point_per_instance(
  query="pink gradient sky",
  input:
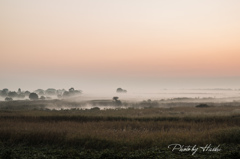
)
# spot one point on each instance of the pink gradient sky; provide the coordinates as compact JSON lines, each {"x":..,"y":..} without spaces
{"x":108,"y":41}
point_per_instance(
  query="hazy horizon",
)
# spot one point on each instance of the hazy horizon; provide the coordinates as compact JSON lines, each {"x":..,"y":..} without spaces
{"x":134,"y":85}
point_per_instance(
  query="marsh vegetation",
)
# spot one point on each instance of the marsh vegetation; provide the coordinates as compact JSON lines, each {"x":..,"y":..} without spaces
{"x":139,"y":130}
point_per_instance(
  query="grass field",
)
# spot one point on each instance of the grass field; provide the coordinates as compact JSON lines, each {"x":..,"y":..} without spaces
{"x":29,"y":129}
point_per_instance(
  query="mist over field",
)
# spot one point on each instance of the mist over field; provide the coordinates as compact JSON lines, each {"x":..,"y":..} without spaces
{"x":119,"y":79}
{"x":142,"y":87}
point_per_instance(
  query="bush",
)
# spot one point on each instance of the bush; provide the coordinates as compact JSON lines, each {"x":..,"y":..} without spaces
{"x":42,"y":98}
{"x":8,"y":99}
{"x":12,"y":94}
{"x":33,"y":96}
{"x":202,"y":105}
{"x":95,"y":108}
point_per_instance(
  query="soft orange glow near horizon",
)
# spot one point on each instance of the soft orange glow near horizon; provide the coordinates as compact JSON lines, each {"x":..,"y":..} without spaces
{"x":144,"y":38}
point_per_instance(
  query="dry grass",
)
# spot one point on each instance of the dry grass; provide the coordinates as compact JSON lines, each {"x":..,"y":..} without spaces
{"x":130,"y":132}
{"x":131,"y":112}
{"x":131,"y":128}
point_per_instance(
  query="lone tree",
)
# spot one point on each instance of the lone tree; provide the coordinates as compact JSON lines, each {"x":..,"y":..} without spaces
{"x":33,"y":96}
{"x":115,"y":98}
{"x":19,"y":90}
{"x":117,"y":102}
{"x":120,"y":90}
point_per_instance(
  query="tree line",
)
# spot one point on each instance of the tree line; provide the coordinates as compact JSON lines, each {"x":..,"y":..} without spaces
{"x":38,"y":94}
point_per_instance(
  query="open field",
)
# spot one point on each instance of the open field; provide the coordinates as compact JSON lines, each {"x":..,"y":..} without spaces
{"x":29,"y":129}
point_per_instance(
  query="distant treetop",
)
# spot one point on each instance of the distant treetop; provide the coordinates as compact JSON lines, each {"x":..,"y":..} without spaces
{"x":33,"y":96}
{"x":120,"y":90}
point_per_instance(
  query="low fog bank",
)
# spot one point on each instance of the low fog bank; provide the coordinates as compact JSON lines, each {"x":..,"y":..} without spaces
{"x":77,"y":95}
{"x":166,"y":94}
{"x":133,"y":88}
{"x":115,"y":103}
{"x":127,"y":99}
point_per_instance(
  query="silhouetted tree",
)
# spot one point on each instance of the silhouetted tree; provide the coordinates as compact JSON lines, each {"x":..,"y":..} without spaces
{"x":51,"y":91}
{"x":19,"y":91}
{"x":26,"y":93}
{"x":12,"y":94}
{"x":33,"y":96}
{"x":120,"y":90}
{"x":71,"y":89}
{"x":4,"y":92}
{"x":39,"y":92}
{"x":117,"y":102}
{"x":71,"y":93}
{"x":115,"y":98}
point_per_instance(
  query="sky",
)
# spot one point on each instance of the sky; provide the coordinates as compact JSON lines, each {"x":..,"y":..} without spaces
{"x":134,"y":44}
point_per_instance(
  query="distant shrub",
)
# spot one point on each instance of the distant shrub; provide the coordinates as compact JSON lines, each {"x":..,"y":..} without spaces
{"x":202,"y":105}
{"x":12,"y":94}
{"x":95,"y":108}
{"x":33,"y":96}
{"x":8,"y":99}
{"x":149,"y":103}
{"x":42,"y":98}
